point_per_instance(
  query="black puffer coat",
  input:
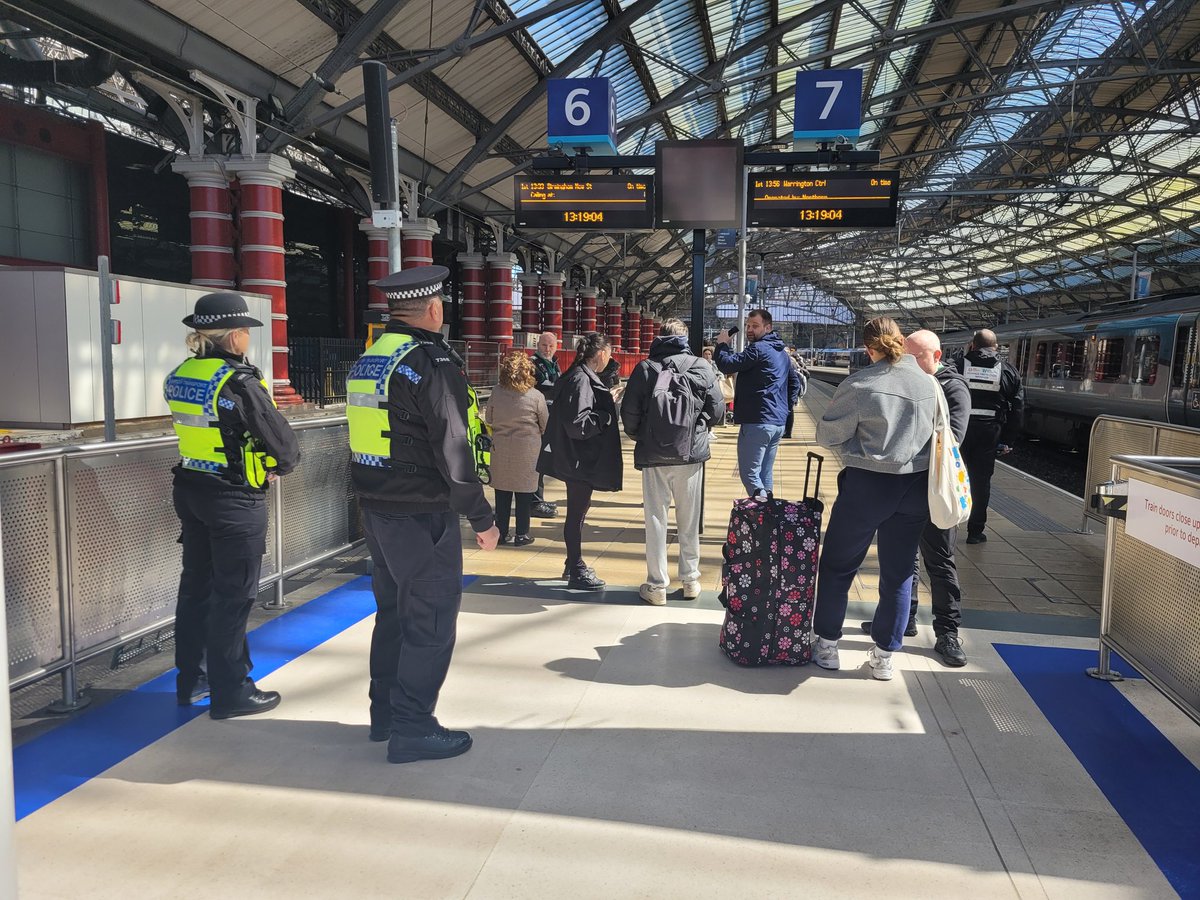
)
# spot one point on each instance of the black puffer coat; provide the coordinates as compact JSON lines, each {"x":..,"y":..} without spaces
{"x":582,"y":440}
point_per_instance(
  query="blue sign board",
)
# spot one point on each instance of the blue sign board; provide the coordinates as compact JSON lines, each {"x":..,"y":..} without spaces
{"x":828,"y":107}
{"x":582,"y":113}
{"x":727,"y":238}
{"x":1142,"y":283}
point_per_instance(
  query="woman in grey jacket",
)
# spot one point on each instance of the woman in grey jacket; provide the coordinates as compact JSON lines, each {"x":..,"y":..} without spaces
{"x":880,"y":421}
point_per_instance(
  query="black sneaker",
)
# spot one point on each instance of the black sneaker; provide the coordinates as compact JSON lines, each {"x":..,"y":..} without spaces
{"x":439,"y":744}
{"x":544,"y":510}
{"x":910,"y":630}
{"x":504,"y":539}
{"x":257,"y":702}
{"x":949,"y":648}
{"x":569,"y":573}
{"x":522,"y":540}
{"x":980,"y":538}
{"x":186,"y":695}
{"x":585,"y":581}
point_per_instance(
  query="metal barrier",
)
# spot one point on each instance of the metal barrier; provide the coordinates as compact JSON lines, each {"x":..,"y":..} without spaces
{"x":1150,"y":611}
{"x":90,"y":557}
{"x":318,"y":367}
{"x":1115,"y":436}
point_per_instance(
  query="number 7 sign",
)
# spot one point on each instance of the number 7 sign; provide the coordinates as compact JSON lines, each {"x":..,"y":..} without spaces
{"x":828,"y":107}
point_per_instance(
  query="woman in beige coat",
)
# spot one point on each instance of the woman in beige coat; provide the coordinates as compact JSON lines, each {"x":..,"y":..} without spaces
{"x":517,"y":414}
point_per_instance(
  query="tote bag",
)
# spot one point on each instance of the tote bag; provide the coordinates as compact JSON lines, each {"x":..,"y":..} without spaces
{"x":949,"y":487}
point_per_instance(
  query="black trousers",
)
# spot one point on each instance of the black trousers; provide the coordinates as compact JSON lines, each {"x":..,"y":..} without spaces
{"x":504,"y":501}
{"x":539,"y":496}
{"x":224,"y":536}
{"x":417,"y":580}
{"x":579,"y":501}
{"x":791,"y":421}
{"x":937,"y":549}
{"x":979,"y":456}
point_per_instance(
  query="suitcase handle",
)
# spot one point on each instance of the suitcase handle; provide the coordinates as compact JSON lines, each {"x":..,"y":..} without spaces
{"x":808,"y":470}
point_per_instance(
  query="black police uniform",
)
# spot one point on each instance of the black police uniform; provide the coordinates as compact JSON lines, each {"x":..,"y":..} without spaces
{"x":996,"y":417}
{"x":547,"y":373}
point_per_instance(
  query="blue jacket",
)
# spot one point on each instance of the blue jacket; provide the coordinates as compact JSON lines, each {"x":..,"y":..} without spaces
{"x":768,"y":386}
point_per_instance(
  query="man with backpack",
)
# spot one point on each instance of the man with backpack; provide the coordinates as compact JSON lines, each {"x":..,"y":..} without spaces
{"x":671,"y":401}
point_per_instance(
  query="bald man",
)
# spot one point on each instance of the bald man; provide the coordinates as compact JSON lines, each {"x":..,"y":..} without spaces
{"x":937,"y":544}
{"x":997,"y":408}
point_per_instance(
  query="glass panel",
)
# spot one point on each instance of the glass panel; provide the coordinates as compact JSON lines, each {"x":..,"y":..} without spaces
{"x":1145,"y":360}
{"x":1110,"y":359}
{"x":1039,"y":360}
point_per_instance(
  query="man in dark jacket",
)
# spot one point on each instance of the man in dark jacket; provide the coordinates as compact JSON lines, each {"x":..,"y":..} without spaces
{"x":666,"y":472}
{"x":997,"y":410}
{"x":547,"y":373}
{"x":767,"y":387}
{"x":937,"y":544}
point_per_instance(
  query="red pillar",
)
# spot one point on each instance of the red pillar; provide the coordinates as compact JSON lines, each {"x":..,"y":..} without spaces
{"x":212,"y":222}
{"x":474,"y":314}
{"x":633,"y":330}
{"x":416,"y":242}
{"x":500,"y":323}
{"x":615,"y":330}
{"x":649,"y":331}
{"x":378,"y":264}
{"x":570,"y":313}
{"x":531,"y":305}
{"x":260,"y":226}
{"x":552,"y":304}
{"x":587,"y":310}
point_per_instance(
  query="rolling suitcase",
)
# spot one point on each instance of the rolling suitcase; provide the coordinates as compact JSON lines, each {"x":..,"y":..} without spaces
{"x":769,"y":577}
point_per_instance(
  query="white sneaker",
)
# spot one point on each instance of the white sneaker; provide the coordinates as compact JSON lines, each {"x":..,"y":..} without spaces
{"x":652,"y":595}
{"x":825,"y":654}
{"x":881,"y":666}
{"x":691,"y":590}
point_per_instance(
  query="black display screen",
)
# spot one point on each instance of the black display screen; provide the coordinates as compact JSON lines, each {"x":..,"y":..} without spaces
{"x":823,"y":199}
{"x":592,"y":203}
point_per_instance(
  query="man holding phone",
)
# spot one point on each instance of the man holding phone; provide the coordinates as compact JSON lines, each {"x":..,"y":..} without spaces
{"x":767,"y":388}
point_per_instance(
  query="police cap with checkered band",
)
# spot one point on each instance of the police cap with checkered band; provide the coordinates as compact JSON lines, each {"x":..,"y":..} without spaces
{"x":415,"y":283}
{"x":221,"y":310}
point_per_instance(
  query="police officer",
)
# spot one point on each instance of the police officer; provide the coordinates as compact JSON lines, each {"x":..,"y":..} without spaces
{"x":232,"y":442}
{"x":417,"y":453}
{"x":997,"y":410}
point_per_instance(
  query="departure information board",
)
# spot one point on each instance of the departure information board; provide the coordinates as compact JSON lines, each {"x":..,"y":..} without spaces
{"x":579,"y":203}
{"x":823,"y":199}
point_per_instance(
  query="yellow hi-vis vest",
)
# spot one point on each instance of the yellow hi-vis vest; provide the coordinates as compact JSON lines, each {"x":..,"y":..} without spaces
{"x":191,"y":392}
{"x":367,"y":410}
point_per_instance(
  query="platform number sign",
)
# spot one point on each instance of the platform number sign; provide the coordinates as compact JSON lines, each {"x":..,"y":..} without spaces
{"x":582,"y":113}
{"x":828,"y":107}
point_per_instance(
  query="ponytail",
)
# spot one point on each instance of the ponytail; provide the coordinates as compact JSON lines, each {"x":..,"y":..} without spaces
{"x":587,"y":346}
{"x":202,"y":343}
{"x":883,"y":335}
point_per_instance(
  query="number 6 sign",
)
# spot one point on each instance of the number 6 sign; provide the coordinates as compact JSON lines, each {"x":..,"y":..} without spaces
{"x":581,"y":113}
{"x":828,"y":107}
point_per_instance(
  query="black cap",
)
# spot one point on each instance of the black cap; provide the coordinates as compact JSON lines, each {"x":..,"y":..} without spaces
{"x":412,"y":284}
{"x":224,"y":309}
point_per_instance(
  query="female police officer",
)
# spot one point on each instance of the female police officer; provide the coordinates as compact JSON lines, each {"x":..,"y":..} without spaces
{"x":232,"y":443}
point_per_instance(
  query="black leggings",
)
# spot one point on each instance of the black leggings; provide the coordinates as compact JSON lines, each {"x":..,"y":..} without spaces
{"x":504,"y":510}
{"x":579,"y":501}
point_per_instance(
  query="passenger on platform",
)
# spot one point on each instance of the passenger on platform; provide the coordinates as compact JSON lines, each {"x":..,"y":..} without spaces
{"x":937,"y":544}
{"x":802,"y":374}
{"x":611,"y":375}
{"x":997,"y":410}
{"x":416,"y":448}
{"x":233,"y":443}
{"x":547,"y":372}
{"x":880,"y":422}
{"x":517,"y":415}
{"x":671,"y":447}
{"x":767,"y":387}
{"x":582,"y":447}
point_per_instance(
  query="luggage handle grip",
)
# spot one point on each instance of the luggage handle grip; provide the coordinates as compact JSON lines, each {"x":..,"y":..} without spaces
{"x":808,"y":471}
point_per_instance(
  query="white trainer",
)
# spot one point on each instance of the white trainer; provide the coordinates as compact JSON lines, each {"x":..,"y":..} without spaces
{"x":881,"y":666}
{"x":691,"y":590}
{"x":825,"y":654}
{"x":652,"y":595}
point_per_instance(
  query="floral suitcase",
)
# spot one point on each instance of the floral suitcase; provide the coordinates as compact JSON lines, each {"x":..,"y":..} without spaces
{"x":770,"y":575}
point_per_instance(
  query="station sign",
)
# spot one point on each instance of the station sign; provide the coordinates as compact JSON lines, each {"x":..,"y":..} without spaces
{"x":581,"y":113}
{"x":727,"y":238}
{"x":828,"y":107}
{"x":823,"y":199}
{"x":584,"y":203}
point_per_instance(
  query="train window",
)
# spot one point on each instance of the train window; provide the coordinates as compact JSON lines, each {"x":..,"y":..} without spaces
{"x":1145,"y":360}
{"x":1039,"y":360}
{"x":1022,"y":359}
{"x":1068,"y":359}
{"x":1110,"y":355}
{"x":1185,"y":360}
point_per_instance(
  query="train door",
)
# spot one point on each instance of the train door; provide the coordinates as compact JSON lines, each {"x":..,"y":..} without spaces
{"x":1183,"y":395}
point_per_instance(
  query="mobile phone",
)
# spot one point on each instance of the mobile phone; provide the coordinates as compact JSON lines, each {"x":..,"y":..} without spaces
{"x":733,"y":329}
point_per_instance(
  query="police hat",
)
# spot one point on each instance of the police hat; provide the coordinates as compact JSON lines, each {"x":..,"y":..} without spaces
{"x":224,"y":309}
{"x":412,"y":284}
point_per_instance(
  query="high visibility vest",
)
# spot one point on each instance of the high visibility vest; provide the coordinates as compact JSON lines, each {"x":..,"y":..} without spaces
{"x":191,"y":391}
{"x":367,"y":410}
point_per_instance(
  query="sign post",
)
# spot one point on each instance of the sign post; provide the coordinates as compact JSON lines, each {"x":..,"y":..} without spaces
{"x":828,"y":107}
{"x":581,"y":114}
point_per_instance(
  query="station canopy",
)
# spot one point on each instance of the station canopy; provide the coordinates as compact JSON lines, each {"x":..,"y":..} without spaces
{"x":1039,"y":141}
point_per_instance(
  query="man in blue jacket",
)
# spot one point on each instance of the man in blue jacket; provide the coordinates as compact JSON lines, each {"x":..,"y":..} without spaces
{"x":767,"y":387}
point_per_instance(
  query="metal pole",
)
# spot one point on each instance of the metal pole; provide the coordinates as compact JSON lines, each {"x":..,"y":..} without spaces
{"x":106,"y":342}
{"x":71,"y":699}
{"x":739,"y":339}
{"x":1104,"y":671}
{"x":696,"y":332}
{"x":395,"y":262}
{"x":1133,"y":274}
{"x":277,"y":601}
{"x":8,"y":854}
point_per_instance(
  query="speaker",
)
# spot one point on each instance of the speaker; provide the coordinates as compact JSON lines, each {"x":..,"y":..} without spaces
{"x":379,"y":134}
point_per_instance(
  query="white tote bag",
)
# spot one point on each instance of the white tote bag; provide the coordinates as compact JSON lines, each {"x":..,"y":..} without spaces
{"x":949,"y":487}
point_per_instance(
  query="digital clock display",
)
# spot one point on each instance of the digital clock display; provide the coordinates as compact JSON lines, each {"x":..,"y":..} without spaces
{"x":823,"y":199}
{"x":579,"y":203}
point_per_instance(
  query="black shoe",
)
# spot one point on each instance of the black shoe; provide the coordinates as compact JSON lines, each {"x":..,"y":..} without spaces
{"x":186,"y":695}
{"x":522,"y":540}
{"x":980,"y":538}
{"x":910,"y":630}
{"x":381,"y":727}
{"x":503,"y":539}
{"x":257,"y":702}
{"x":585,"y":581}
{"x":949,"y":648}
{"x":569,"y":573}
{"x":439,"y":744}
{"x":544,"y":510}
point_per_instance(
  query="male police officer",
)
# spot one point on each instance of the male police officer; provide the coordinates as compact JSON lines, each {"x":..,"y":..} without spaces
{"x":997,"y":408}
{"x":417,"y":452}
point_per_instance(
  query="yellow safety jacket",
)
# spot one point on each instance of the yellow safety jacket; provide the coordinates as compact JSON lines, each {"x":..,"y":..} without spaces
{"x":367,"y":410}
{"x":192,"y":391}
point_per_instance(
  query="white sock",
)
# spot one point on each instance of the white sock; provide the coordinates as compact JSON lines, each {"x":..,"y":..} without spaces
{"x":882,"y":654}
{"x":825,"y":643}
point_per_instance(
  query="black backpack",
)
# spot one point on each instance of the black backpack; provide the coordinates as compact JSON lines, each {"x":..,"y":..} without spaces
{"x":673,"y":413}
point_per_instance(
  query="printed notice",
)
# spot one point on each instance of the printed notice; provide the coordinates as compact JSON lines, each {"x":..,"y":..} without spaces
{"x":1164,"y":519}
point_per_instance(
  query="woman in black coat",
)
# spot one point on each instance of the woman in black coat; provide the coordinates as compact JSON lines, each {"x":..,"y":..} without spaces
{"x":582,"y":447}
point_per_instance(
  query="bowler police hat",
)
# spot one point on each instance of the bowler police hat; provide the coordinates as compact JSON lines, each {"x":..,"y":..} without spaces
{"x":224,"y":309}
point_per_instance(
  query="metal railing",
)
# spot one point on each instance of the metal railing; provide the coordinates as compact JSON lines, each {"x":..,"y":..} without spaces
{"x":1117,"y":436}
{"x":317,"y":367}
{"x":90,"y":553}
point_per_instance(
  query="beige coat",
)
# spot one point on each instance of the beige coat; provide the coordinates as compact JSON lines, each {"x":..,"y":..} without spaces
{"x":517,"y":421}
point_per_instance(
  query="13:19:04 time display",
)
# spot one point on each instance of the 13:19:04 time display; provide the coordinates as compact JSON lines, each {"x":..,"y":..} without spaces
{"x":820,"y":215}
{"x":571,"y":216}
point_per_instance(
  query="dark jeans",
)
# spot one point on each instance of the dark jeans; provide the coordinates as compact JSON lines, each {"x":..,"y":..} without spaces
{"x":894,"y":507}
{"x":417,"y":580}
{"x":504,"y":501}
{"x":937,"y":549}
{"x":224,"y":536}
{"x":979,"y":456}
{"x":579,"y":501}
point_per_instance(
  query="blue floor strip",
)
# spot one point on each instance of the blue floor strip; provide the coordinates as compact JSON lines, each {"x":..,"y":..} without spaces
{"x":59,"y":761}
{"x":1150,"y":784}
